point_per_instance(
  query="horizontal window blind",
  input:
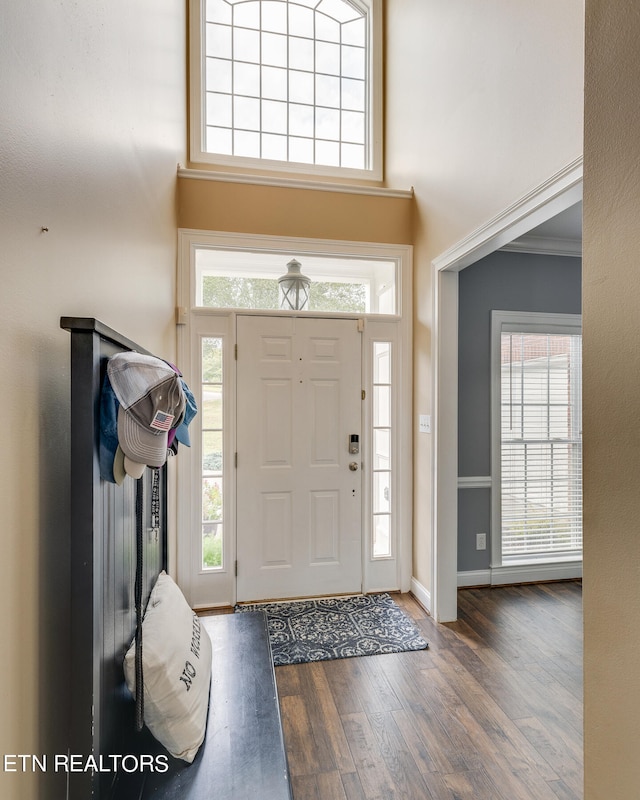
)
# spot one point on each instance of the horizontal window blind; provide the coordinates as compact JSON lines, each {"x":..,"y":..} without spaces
{"x":541,"y":445}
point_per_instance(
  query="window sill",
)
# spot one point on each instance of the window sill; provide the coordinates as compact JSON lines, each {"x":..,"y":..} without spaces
{"x":534,"y":561}
{"x":292,"y":183}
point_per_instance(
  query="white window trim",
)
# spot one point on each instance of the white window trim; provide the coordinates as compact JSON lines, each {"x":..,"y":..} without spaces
{"x":197,"y":154}
{"x":379,"y":574}
{"x":190,"y":240}
{"x":522,"y":322}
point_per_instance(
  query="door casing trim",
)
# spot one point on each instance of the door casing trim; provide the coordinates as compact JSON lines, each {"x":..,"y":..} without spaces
{"x":189,"y":317}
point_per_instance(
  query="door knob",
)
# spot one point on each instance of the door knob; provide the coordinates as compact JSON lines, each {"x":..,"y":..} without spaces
{"x":353,"y":466}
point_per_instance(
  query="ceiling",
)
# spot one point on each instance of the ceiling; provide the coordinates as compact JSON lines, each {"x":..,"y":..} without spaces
{"x":561,"y":235}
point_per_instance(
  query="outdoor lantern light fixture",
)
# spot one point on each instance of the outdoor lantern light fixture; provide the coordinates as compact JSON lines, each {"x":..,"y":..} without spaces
{"x":294,"y":288}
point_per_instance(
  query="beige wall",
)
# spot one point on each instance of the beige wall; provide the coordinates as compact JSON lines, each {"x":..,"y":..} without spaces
{"x":611,"y":319}
{"x":91,"y":130}
{"x":483,"y":104}
{"x":284,"y":211}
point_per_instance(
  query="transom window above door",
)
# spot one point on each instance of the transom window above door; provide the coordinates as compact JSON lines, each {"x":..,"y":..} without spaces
{"x":253,"y":280}
{"x":287,"y":84}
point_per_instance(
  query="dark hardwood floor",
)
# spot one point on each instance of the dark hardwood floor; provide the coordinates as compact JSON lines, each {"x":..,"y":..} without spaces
{"x":491,"y":711}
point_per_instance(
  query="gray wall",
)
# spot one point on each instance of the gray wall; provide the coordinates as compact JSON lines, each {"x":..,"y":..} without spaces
{"x":507,"y":282}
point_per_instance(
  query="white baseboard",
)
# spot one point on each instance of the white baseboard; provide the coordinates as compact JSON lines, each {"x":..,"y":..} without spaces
{"x":532,"y":573}
{"x":422,"y":595}
{"x":521,"y":573}
{"x":475,"y":577}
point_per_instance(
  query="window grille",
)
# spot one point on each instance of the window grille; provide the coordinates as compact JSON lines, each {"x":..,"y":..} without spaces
{"x":382,"y":450}
{"x":287,"y":81}
{"x":212,"y":474}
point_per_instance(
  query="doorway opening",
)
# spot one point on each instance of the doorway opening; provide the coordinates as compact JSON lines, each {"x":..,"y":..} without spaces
{"x":298,"y":481}
{"x":559,"y":193}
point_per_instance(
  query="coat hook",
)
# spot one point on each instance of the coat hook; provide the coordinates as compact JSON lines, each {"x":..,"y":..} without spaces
{"x":44,"y":230}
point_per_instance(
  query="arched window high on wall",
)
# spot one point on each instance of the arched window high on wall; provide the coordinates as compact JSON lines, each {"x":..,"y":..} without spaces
{"x":287,"y":85}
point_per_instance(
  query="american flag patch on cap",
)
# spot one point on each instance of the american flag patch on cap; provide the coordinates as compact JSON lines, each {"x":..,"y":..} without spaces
{"x":162,"y":421}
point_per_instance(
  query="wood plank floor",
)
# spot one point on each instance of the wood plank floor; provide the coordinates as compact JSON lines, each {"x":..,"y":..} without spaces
{"x":491,"y":711}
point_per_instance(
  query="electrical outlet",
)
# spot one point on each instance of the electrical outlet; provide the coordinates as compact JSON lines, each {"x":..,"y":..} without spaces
{"x":481,"y":541}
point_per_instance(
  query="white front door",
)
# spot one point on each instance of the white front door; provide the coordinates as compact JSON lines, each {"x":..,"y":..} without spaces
{"x":299,"y":504}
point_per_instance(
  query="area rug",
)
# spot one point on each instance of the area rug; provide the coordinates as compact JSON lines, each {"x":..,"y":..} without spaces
{"x":337,"y":627}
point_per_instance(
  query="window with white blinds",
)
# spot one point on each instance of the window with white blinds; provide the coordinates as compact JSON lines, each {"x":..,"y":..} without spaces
{"x":541,"y":444}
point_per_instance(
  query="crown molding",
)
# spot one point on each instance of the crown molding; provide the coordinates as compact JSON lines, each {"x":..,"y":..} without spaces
{"x":556,"y":194}
{"x":545,"y":245}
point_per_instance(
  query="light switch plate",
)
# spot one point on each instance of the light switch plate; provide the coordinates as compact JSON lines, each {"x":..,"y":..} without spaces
{"x":424,"y":421}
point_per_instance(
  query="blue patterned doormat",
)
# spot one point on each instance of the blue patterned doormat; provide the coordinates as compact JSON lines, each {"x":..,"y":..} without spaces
{"x":337,"y":627}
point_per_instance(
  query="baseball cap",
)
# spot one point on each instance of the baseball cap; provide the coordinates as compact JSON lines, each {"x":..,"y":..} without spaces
{"x":181,"y":433}
{"x":152,"y":402}
{"x":190,"y":410}
{"x":123,"y":466}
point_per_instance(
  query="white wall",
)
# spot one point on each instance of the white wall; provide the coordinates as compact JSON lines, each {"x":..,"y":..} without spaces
{"x":92,"y":126}
{"x":483,"y":104}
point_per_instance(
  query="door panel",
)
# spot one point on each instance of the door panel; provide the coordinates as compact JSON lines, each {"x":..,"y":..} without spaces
{"x":298,"y":501}
{"x":277,"y":536}
{"x":274,"y":406}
